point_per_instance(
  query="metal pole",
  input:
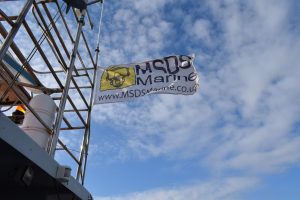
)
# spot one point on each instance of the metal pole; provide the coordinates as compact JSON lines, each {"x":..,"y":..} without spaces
{"x":62,"y":104}
{"x":86,"y":140}
{"x":9,"y":39}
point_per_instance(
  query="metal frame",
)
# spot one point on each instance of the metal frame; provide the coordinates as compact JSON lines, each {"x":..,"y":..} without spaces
{"x":72,"y":73}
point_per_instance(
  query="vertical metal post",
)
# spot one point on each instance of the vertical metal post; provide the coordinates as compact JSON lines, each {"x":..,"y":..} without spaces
{"x":86,"y":139}
{"x":11,"y":35}
{"x":64,"y":97}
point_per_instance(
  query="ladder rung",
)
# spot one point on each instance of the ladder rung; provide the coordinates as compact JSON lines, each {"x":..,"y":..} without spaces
{"x":72,"y":128}
{"x":80,"y":110}
{"x":79,"y":75}
{"x":81,"y":87}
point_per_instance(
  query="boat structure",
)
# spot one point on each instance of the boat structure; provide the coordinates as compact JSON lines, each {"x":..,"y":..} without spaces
{"x":47,"y":75}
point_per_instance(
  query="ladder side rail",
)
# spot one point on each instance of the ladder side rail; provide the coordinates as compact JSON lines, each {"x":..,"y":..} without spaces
{"x":88,"y":130}
{"x":50,"y":37}
{"x":65,"y":49}
{"x":67,"y":85}
{"x":71,"y":37}
{"x":18,"y":53}
{"x":12,"y":33}
{"x":6,"y":18}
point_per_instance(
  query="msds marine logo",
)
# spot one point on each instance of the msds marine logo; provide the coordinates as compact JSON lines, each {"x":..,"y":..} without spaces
{"x":117,"y":78}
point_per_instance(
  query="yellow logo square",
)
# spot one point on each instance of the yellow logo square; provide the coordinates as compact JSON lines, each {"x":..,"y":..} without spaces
{"x":117,"y":78}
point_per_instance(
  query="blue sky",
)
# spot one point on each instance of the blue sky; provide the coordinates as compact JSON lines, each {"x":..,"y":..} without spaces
{"x":237,"y":138}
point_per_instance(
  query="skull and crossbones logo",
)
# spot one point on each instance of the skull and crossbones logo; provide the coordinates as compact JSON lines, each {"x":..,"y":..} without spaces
{"x":116,"y":76}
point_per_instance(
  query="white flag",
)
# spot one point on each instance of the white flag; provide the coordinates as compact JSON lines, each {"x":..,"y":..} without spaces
{"x":169,"y":75}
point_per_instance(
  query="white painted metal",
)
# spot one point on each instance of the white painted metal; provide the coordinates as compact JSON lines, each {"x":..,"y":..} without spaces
{"x":45,"y":108}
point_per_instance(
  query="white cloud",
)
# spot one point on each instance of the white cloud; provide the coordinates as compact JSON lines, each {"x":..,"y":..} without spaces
{"x":136,"y":31}
{"x":150,"y":7}
{"x":227,"y":189}
{"x":247,"y":106}
{"x":200,"y":30}
{"x":260,"y":77}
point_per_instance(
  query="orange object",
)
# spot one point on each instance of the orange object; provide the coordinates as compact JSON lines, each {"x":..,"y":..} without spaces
{"x":21,"y":109}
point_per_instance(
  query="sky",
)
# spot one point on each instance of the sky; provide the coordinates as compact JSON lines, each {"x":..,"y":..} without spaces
{"x":236,"y":138}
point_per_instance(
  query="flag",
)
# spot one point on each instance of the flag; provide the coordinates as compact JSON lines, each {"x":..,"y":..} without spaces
{"x":168,"y":75}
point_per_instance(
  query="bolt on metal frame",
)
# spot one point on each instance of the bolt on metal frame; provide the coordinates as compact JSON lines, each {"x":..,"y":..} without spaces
{"x":74,"y":111}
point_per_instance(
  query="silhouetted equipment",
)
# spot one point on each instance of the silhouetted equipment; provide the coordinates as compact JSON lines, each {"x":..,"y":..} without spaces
{"x":79,"y":4}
